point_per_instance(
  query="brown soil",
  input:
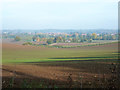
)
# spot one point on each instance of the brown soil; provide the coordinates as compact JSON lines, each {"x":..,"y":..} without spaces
{"x":49,"y":74}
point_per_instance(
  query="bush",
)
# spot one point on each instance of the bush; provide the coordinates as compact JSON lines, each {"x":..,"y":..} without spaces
{"x":27,"y":43}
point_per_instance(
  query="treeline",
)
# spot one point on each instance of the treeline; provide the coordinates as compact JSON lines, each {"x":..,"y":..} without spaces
{"x":74,"y":37}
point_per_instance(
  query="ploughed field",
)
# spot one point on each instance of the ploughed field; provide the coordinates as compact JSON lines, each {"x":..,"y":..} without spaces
{"x":42,"y":67}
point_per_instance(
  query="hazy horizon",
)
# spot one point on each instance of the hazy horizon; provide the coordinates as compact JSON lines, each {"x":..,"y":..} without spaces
{"x":38,"y":14}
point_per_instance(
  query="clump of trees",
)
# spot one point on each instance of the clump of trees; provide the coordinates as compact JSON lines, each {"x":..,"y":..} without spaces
{"x":94,"y":36}
{"x":90,"y":40}
{"x":34,"y":38}
{"x":49,"y":41}
{"x":27,"y":43}
{"x":17,"y":38}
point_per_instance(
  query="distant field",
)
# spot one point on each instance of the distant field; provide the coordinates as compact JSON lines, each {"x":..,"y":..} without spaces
{"x":94,"y":42}
{"x":104,"y":41}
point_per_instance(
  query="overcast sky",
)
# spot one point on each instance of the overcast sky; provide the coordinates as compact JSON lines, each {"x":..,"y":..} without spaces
{"x":60,"y":14}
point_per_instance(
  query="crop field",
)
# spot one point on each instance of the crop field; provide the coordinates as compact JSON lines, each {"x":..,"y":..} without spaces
{"x":43,"y":67}
{"x":85,"y":43}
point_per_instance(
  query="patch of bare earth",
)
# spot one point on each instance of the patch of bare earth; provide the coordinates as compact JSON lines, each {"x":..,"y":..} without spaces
{"x":60,"y":75}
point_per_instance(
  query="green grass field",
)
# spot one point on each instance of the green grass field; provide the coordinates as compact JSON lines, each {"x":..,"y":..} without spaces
{"x":20,"y":54}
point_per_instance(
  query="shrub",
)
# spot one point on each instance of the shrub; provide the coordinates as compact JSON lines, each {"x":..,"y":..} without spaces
{"x":27,"y":43}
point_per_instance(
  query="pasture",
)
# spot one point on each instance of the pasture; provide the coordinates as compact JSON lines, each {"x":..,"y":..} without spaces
{"x":57,"y":67}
